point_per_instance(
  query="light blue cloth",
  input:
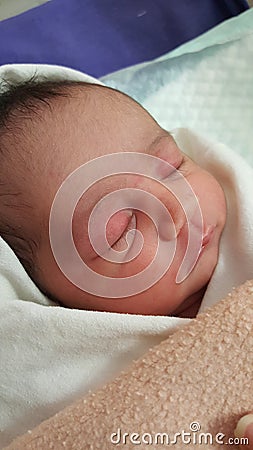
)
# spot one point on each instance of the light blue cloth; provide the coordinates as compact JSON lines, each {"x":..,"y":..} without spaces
{"x":206,"y":85}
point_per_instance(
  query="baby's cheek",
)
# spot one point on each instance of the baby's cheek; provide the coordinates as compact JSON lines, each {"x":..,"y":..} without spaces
{"x":151,"y":250}
{"x":205,"y":186}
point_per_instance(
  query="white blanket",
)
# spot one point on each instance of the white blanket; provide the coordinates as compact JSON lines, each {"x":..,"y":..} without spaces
{"x":51,"y":355}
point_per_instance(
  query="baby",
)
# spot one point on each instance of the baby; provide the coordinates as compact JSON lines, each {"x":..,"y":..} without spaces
{"x":50,"y":129}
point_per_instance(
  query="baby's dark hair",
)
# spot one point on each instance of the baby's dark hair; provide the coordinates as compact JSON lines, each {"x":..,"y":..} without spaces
{"x":20,"y":102}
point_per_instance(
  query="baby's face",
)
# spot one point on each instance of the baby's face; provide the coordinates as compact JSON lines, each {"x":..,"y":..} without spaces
{"x":82,"y":128}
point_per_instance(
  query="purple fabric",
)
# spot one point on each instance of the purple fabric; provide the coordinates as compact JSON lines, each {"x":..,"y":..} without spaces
{"x":101,"y":36}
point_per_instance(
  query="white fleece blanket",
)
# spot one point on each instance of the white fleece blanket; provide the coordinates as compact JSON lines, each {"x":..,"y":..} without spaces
{"x":51,"y":355}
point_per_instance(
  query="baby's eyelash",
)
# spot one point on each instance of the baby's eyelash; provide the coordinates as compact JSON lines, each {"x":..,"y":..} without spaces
{"x":182,"y":167}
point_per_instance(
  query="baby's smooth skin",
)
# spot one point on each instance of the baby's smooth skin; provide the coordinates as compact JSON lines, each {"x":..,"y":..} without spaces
{"x":89,"y":122}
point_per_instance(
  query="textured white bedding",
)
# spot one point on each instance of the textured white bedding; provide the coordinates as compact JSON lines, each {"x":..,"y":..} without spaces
{"x":205,"y":84}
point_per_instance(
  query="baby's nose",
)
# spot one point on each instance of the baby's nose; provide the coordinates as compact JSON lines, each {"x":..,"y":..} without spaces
{"x":170,"y":218}
{"x":169,"y":230}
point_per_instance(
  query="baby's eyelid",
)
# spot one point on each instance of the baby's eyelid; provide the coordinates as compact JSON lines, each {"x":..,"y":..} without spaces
{"x":166,"y":149}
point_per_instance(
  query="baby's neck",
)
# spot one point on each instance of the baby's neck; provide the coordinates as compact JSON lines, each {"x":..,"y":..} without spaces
{"x":190,"y":307}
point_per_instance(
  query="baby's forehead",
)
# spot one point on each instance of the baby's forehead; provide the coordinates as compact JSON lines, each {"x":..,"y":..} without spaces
{"x":69,"y":130}
{"x":99,"y":119}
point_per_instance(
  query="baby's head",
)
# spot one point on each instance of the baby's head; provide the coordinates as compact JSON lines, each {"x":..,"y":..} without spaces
{"x":50,"y":129}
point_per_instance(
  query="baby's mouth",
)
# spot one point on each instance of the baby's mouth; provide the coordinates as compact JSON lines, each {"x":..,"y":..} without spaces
{"x":208,"y":235}
{"x":201,"y":239}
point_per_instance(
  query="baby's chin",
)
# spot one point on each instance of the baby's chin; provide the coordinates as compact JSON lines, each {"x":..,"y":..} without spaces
{"x":189,"y":308}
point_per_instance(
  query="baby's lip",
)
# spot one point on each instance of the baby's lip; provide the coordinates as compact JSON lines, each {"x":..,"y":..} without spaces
{"x":208,"y":234}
